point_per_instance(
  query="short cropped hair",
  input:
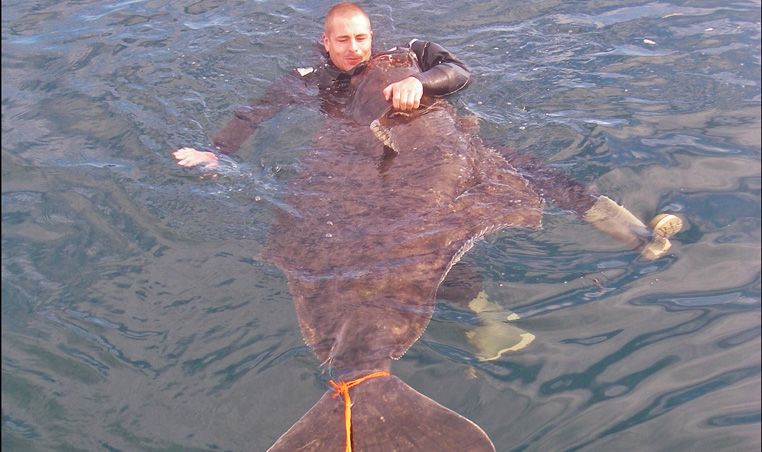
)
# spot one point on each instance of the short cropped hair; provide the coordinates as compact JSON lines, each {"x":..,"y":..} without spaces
{"x":342,"y":9}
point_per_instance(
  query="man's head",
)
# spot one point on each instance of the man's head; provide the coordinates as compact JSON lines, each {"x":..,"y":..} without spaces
{"x":347,"y":36}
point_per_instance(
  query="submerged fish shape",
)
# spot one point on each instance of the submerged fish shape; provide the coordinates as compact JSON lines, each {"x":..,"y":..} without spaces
{"x":386,"y":203}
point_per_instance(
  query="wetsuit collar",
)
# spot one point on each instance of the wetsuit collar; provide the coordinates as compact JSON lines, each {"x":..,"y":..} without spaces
{"x":332,"y":77}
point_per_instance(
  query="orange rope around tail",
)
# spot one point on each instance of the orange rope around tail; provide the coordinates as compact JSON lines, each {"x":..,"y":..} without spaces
{"x":342,"y":389}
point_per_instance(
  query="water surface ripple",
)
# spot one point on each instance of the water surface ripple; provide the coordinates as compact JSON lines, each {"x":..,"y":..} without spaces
{"x":137,"y":313}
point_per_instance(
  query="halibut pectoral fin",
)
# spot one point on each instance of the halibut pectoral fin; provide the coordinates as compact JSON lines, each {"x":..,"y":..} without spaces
{"x":495,"y":337}
{"x":383,"y":134}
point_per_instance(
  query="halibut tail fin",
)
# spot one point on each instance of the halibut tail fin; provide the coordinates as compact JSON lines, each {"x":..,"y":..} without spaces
{"x":386,"y":415}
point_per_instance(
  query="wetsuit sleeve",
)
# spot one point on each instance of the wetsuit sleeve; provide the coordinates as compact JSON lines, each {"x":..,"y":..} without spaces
{"x":443,"y":73}
{"x":290,"y":89}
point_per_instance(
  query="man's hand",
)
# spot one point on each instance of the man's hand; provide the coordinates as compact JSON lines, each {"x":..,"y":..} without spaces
{"x":405,"y":94}
{"x":191,"y":157}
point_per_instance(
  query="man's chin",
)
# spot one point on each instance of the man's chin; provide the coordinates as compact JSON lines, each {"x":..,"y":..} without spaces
{"x":350,"y":64}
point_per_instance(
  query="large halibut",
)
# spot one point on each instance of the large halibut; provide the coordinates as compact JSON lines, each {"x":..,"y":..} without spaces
{"x":385,"y":203}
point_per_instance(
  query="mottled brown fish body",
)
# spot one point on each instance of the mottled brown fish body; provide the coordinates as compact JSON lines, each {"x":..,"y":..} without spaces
{"x":373,"y":229}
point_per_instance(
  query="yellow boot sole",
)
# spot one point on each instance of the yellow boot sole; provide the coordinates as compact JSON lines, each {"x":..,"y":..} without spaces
{"x":663,"y":226}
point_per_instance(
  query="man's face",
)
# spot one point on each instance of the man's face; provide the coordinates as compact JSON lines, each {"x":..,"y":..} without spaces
{"x":348,"y":40}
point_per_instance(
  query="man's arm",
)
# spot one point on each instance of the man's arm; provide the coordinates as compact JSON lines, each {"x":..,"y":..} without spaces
{"x":442,"y":74}
{"x":601,"y":212}
{"x":290,"y":89}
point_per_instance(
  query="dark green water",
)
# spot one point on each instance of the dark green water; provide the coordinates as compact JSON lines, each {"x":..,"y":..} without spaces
{"x":137,"y":315}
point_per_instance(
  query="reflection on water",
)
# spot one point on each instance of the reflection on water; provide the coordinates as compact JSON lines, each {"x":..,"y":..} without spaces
{"x":137,"y":313}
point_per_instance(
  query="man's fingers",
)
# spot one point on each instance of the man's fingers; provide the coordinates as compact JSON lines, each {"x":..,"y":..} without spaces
{"x":405,"y":94}
{"x":409,"y":101}
{"x":184,"y":153}
{"x":186,"y":162}
{"x":388,"y":92}
{"x":397,"y":97}
{"x":190,"y":157}
{"x":405,"y":102}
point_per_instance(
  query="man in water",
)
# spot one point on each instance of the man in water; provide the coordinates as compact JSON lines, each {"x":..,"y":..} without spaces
{"x":347,"y":40}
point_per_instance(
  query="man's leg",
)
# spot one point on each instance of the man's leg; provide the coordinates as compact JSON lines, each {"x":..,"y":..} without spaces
{"x":601,"y":212}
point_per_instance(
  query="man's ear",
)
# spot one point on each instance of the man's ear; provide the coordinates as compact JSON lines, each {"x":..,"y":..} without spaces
{"x":325,"y":42}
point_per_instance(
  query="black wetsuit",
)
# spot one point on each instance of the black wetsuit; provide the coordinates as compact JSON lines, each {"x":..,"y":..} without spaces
{"x":441,"y":74}
{"x":326,"y":87}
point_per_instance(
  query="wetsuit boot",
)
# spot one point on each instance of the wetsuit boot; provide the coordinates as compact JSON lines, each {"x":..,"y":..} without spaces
{"x":652,"y":241}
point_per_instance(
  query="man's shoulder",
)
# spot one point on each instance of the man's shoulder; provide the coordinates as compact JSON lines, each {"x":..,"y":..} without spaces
{"x":416,"y":45}
{"x":308,"y":75}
